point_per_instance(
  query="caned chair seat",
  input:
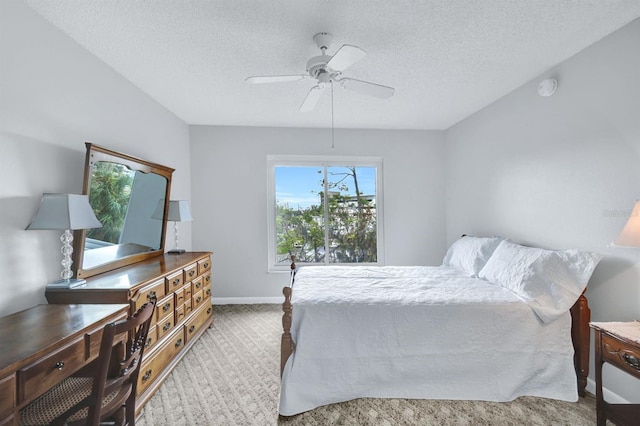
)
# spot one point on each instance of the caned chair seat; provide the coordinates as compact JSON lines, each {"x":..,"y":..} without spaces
{"x":105,"y":389}
{"x":59,"y":399}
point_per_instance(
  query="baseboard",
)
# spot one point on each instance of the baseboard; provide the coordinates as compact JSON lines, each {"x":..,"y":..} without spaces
{"x":609,"y":396}
{"x":247,"y":300}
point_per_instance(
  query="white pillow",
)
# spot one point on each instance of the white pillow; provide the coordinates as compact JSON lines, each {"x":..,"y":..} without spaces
{"x":549,"y":281}
{"x":470,"y":254}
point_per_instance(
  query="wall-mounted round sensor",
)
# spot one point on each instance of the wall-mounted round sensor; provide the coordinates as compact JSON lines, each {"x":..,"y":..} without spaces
{"x":547,"y":87}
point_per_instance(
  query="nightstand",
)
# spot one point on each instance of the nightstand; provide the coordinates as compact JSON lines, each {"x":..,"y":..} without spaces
{"x":617,"y":343}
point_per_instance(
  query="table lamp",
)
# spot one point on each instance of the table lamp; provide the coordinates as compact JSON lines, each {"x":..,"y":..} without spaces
{"x":178,"y":212}
{"x":630,"y":235}
{"x":65,"y":212}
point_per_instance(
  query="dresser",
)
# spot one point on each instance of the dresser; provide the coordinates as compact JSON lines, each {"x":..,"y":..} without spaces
{"x":43,"y":345}
{"x":618,"y":344}
{"x":180,"y":284}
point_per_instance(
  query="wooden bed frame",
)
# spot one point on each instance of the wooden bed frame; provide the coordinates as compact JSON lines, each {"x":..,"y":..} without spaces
{"x":580,"y":334}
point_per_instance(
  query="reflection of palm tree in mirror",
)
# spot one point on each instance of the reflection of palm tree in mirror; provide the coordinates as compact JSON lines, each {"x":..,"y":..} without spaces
{"x":109,"y":196}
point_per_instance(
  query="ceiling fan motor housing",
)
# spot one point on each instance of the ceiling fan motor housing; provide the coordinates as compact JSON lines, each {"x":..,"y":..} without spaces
{"x":317,"y":68}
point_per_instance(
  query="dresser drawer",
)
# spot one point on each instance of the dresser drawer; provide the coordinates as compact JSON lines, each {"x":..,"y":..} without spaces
{"x":180,"y":314}
{"x":164,"y":307}
{"x":206,"y":278}
{"x":187,"y":307}
{"x":165,"y":325}
{"x":196,"y":322}
{"x":621,"y":354}
{"x":47,"y":372}
{"x":152,"y":367}
{"x":174,"y":281}
{"x":204,"y":265}
{"x":196,"y":285}
{"x":154,"y":291}
{"x":206,"y":291}
{"x":188,"y":291}
{"x":179,"y":297}
{"x":197,"y":299}
{"x":190,"y":272}
{"x":152,"y":338}
{"x":7,"y":396}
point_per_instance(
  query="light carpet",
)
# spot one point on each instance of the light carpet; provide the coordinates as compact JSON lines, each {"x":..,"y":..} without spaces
{"x":231,"y":376}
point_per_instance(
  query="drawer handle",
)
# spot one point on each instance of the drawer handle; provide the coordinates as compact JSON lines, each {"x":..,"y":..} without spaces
{"x":178,"y":343}
{"x":167,"y":326}
{"x":192,"y":273}
{"x":198,"y":285}
{"x":179,"y":297}
{"x":207,"y":278}
{"x":198,"y":299}
{"x":206,"y":265}
{"x":176,"y":282}
{"x":149,"y":340}
{"x":193,"y":327}
{"x":152,"y":295}
{"x":208,"y":292}
{"x":59,"y":365}
{"x":147,"y":375}
{"x":166,"y":307}
{"x":632,"y":361}
{"x":209,"y":311}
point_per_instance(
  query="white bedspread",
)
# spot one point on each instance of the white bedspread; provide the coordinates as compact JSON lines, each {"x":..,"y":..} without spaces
{"x":418,"y":332}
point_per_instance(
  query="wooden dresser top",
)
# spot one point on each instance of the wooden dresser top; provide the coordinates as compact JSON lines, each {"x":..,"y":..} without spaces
{"x":140,"y":273}
{"x":26,"y":334}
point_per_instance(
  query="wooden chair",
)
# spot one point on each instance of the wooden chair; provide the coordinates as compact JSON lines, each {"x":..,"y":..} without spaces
{"x":107,"y":389}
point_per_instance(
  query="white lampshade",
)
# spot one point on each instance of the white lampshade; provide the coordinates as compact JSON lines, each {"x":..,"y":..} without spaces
{"x":64,"y":211}
{"x":630,"y":235}
{"x":179,"y":211}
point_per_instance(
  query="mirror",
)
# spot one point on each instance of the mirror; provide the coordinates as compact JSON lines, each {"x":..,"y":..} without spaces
{"x":130,"y":197}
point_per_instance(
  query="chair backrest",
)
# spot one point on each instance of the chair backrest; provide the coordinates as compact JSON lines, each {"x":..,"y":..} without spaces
{"x":119,"y":364}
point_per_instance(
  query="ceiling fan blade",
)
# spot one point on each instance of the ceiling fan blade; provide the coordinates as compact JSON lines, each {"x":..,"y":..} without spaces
{"x":312,"y":98}
{"x":346,"y":56}
{"x":367,"y":88}
{"x":275,"y":78}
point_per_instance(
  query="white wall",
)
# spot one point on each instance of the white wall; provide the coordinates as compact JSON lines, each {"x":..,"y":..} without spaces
{"x":561,"y":172}
{"x":229,"y":171}
{"x":54,"y":96}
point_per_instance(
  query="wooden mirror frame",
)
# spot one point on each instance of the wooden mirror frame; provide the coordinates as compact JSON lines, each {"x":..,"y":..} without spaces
{"x":97,"y":153}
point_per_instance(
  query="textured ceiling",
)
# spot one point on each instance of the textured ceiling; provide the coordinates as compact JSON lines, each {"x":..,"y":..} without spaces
{"x":446,"y":59}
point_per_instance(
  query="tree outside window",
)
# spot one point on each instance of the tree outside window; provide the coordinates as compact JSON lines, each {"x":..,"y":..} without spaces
{"x":326,"y":214}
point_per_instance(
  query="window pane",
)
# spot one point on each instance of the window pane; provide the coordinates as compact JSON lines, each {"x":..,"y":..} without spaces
{"x":299,"y":214}
{"x":352,"y":214}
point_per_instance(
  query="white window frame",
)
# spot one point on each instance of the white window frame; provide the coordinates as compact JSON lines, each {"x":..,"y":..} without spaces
{"x":320,"y":161}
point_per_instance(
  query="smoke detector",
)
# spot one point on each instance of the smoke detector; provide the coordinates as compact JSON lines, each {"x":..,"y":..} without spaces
{"x":547,"y":87}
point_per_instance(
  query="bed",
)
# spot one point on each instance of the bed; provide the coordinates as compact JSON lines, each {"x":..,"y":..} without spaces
{"x":496,"y":321}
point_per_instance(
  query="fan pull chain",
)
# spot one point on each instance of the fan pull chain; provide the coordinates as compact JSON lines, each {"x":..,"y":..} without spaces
{"x":333,"y":144}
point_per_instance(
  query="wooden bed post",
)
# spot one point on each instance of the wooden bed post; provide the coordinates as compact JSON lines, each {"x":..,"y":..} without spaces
{"x":286,"y":344}
{"x":580,"y":334}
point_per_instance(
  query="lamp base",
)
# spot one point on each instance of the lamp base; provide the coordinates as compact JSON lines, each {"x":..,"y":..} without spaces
{"x":176,"y":251}
{"x":70,"y":283}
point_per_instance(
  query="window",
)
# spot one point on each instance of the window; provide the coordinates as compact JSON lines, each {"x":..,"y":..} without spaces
{"x":324,"y":210}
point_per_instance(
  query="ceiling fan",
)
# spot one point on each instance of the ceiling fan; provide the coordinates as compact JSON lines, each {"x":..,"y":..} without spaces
{"x":326,"y":70}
